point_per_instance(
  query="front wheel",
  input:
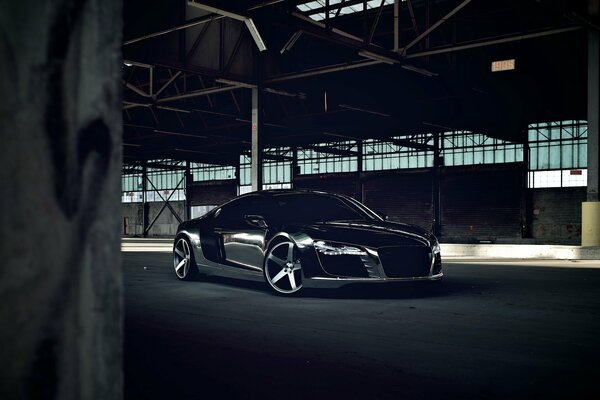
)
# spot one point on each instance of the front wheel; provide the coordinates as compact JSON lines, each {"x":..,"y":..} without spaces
{"x":282,"y":269}
{"x":183,"y":259}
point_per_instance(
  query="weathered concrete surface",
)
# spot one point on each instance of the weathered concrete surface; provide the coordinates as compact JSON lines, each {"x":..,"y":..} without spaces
{"x":60,"y":161}
{"x":165,"y":225}
{"x":449,"y":250}
{"x":522,"y":330}
{"x":519,"y":251}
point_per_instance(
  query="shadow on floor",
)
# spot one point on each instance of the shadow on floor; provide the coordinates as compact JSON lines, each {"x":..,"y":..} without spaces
{"x":390,"y":290}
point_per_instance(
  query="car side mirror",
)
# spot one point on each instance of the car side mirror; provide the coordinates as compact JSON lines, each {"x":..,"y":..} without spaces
{"x":256,"y":221}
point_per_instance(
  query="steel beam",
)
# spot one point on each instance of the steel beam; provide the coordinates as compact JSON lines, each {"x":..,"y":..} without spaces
{"x":136,"y":90}
{"x":352,"y":108}
{"x":412,"y":145}
{"x":435,"y":26}
{"x":164,"y":206}
{"x":198,"y":93}
{"x":238,"y":17}
{"x":168,"y":83}
{"x":376,"y":22}
{"x":341,"y":5}
{"x":189,"y":24}
{"x":411,"y":12}
{"x":197,"y":42}
{"x":192,"y":23}
{"x":291,"y":41}
{"x":332,"y":150}
{"x":234,"y":52}
{"x":322,"y":70}
{"x":155,"y":165}
{"x":216,"y":10}
{"x":325,"y":31}
{"x":337,"y":6}
{"x":272,"y":157}
{"x":492,"y":41}
{"x":167,"y":204}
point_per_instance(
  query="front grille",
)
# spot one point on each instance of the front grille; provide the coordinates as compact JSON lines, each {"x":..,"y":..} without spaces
{"x":344,"y":266}
{"x":406,"y":261}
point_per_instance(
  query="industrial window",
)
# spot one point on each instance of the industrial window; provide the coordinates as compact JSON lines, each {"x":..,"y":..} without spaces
{"x":328,"y":157}
{"x":277,"y":166}
{"x":317,"y":9}
{"x":394,"y":153}
{"x":558,"y":154}
{"x":277,"y":170}
{"x":211,"y":172}
{"x":131,"y":187}
{"x":164,"y":181}
{"x":245,"y":170}
{"x":467,"y":148}
{"x":557,"y":178}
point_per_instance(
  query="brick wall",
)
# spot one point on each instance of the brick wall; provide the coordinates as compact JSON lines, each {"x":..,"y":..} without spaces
{"x":556,"y":214}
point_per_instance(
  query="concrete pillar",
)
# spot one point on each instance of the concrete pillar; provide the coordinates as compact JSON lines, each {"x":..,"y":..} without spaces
{"x":590,"y":210}
{"x":256,"y":154}
{"x":60,"y":170}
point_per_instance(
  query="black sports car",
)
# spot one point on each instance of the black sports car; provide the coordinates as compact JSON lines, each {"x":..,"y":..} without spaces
{"x":300,"y":238}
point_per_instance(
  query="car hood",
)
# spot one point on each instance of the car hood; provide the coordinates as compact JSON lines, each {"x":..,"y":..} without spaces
{"x":372,"y":234}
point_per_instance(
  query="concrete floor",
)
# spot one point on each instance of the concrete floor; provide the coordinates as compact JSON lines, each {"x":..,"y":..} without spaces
{"x":488,"y":331}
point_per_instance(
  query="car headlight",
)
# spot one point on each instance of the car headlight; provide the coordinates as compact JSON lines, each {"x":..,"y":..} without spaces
{"x":335,"y":249}
{"x":435,"y":249}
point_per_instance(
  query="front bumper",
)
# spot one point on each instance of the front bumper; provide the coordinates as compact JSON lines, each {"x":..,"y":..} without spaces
{"x":384,"y":264}
{"x":335,"y":282}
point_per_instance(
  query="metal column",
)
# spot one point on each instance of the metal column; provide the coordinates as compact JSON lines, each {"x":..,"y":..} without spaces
{"x":238,"y":179}
{"x":145,"y":205}
{"x":438,"y":161}
{"x":359,"y":171}
{"x":590,"y":211}
{"x":526,"y":194}
{"x":256,"y":171}
{"x":188,"y":184}
{"x":295,"y":168}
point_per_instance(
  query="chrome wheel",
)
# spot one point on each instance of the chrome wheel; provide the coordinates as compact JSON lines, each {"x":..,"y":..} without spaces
{"x":283,"y":270}
{"x":182,"y":258}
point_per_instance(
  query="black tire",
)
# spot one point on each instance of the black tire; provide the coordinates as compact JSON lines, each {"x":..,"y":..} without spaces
{"x":184,"y":263}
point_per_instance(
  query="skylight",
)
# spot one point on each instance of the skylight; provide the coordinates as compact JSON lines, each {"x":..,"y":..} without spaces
{"x":317,"y":9}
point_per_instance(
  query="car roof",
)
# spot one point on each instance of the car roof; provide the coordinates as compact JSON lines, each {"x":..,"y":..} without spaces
{"x":275,"y":192}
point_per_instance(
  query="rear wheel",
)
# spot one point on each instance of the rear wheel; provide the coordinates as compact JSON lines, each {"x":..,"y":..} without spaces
{"x":283,"y":269}
{"x":183,"y":259}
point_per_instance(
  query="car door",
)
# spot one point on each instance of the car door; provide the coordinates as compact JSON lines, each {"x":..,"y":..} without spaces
{"x":242,"y":237}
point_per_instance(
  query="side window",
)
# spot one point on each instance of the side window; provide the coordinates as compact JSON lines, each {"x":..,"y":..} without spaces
{"x":237,"y":209}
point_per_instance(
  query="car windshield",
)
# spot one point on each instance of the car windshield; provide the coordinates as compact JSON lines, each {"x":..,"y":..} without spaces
{"x":312,"y":207}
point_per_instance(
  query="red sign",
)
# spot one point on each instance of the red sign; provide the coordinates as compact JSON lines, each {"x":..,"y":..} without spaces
{"x":576,"y":172}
